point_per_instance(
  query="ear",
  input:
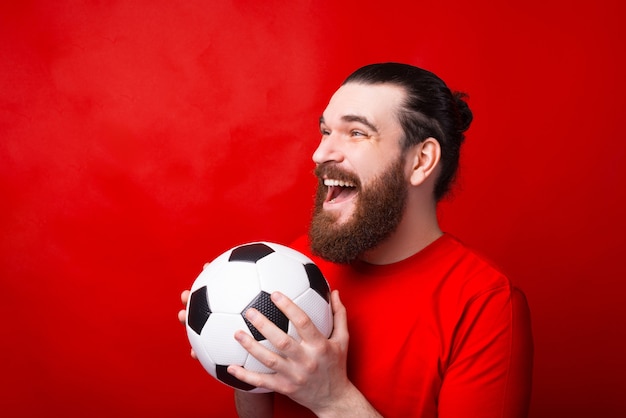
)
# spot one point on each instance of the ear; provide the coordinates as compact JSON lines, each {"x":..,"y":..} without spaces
{"x":424,"y":158}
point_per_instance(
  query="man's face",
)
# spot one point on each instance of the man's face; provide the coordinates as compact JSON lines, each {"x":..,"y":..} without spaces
{"x":361,"y":169}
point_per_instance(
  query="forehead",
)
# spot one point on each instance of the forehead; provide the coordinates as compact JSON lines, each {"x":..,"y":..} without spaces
{"x":378,"y":103}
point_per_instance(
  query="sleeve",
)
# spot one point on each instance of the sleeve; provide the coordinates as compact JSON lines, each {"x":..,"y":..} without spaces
{"x":489,"y":373}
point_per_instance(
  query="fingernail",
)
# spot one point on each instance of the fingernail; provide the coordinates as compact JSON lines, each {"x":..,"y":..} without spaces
{"x":251,"y":314}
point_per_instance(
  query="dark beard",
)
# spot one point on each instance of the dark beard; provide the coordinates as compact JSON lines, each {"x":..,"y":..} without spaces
{"x":378,"y":212}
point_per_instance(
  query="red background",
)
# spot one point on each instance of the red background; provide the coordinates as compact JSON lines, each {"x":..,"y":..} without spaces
{"x":139,"y":139}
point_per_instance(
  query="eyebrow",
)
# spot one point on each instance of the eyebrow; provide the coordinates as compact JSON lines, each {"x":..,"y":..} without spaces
{"x":355,"y":118}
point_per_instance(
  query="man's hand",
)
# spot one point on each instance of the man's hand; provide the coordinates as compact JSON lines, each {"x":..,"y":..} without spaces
{"x":311,"y":371}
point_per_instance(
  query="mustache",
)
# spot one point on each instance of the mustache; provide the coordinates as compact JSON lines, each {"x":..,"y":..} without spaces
{"x":332,"y":171}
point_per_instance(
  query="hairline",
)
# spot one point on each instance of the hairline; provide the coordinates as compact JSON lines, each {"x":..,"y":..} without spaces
{"x":401,"y":112}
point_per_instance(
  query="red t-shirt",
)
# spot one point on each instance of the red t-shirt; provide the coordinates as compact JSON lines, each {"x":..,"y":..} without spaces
{"x":440,"y":334}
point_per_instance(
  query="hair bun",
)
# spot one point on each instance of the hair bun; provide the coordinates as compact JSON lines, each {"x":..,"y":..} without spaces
{"x":464,"y":114}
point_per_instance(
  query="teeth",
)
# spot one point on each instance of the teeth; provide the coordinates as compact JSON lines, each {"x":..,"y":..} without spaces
{"x":340,"y":183}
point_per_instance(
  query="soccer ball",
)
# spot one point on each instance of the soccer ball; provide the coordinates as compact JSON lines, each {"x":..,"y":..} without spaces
{"x":241,"y":278}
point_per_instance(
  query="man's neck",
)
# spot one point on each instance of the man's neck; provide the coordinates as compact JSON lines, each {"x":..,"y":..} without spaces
{"x":418,"y":229}
{"x":402,"y":244}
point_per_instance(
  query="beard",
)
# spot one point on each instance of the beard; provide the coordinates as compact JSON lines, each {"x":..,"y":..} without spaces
{"x":378,"y":211}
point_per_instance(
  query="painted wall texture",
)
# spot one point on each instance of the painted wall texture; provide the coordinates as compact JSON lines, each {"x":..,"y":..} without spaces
{"x":140,"y":139}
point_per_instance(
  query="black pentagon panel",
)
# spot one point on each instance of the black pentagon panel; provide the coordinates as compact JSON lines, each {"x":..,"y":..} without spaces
{"x":317,"y":281}
{"x":250,"y":253}
{"x":229,"y":379}
{"x":264,"y":304}
{"x":199,"y":310}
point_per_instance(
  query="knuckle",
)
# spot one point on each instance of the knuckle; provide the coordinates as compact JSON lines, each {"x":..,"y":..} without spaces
{"x":311,"y":367}
{"x":283,"y":344}
{"x":298,"y":381}
{"x":271,"y":361}
{"x":254,"y":381}
{"x":289,"y":389}
{"x":302,"y":322}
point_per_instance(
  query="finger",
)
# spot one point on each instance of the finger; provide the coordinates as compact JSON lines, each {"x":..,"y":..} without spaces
{"x":261,"y":380}
{"x":264,"y":355}
{"x":193,"y":354}
{"x":270,"y":331}
{"x":301,"y":321}
{"x":182,"y":316}
{"x":205,"y":265}
{"x":184,"y":296}
{"x":340,"y":318}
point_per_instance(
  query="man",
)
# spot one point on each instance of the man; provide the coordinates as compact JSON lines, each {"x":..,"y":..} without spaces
{"x":434,"y":329}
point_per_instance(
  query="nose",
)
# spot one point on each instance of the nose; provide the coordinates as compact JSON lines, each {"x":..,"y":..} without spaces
{"x":328,"y":151}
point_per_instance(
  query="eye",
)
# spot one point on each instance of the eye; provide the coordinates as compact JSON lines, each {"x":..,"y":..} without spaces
{"x":324,"y":130}
{"x":357,"y":133}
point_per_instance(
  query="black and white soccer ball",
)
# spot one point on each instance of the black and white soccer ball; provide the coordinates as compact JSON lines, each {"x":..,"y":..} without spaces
{"x":241,"y":278}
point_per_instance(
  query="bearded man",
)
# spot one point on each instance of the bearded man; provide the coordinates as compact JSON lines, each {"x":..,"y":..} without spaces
{"x":425,"y":327}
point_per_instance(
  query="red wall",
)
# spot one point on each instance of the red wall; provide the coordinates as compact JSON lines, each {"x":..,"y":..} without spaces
{"x":139,"y":139}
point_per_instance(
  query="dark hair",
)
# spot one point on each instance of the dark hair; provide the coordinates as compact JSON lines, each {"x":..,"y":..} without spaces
{"x":430,"y":110}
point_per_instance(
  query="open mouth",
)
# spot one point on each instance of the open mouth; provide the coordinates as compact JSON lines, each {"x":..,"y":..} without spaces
{"x":339,"y":190}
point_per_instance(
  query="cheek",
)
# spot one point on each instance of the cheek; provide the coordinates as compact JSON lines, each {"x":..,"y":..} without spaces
{"x":366,"y":166}
{"x":371,"y":167}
